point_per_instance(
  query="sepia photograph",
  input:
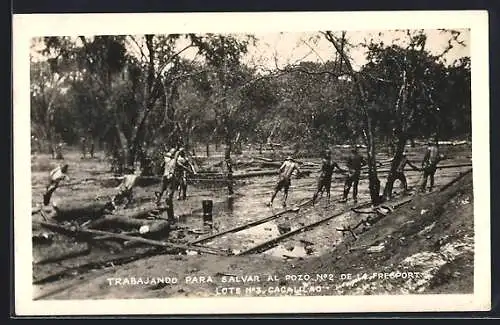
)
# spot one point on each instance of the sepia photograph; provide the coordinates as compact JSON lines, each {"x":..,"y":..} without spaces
{"x":245,"y":163}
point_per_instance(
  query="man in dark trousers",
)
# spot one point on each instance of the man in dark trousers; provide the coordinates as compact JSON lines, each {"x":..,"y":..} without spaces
{"x":56,"y":175}
{"x":325,"y":178}
{"x":168,"y":174}
{"x":399,"y":175}
{"x":429,"y":164}
{"x":354,"y":163}
{"x":284,"y":179}
{"x":185,"y":167}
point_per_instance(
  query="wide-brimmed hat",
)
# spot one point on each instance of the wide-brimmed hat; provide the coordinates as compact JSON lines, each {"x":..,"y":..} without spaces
{"x":289,"y":158}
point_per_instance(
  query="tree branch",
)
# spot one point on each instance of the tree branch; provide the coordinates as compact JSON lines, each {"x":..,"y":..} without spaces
{"x":143,"y":56}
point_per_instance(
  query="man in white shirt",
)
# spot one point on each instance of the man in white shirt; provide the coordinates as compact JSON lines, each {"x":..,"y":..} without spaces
{"x":125,"y":189}
{"x":56,"y":175}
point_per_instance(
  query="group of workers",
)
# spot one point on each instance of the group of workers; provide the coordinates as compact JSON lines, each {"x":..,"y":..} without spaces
{"x":354,"y":164}
{"x":176,"y":167}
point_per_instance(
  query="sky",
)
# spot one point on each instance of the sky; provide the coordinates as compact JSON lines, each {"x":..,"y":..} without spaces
{"x":295,"y":47}
{"x":280,"y":49}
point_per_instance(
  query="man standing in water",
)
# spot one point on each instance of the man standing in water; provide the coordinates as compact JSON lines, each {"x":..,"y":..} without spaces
{"x":429,"y":164}
{"x":354,"y":163}
{"x":285,"y":173}
{"x":400,"y":175}
{"x":185,"y":167}
{"x":325,"y":179}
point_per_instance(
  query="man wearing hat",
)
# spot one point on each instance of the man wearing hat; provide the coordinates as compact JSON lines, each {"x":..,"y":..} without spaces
{"x":184,"y":167}
{"x":285,"y":173}
{"x":168,"y":179}
{"x":429,"y":164}
{"x":354,"y":163}
{"x":325,"y":179}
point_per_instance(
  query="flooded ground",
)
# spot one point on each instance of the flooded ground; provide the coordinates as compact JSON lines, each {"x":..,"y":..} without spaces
{"x":247,"y":205}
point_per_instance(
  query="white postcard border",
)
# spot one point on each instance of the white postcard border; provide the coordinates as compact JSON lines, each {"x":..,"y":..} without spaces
{"x":27,"y":26}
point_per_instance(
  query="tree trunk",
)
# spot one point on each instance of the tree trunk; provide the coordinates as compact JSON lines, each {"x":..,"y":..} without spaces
{"x":374,"y":182}
{"x":227,"y":159}
{"x":208,"y":148}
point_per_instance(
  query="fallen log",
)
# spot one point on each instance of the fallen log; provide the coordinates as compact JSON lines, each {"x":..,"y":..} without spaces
{"x":438,"y":167}
{"x":123,"y":222}
{"x":263,"y":173}
{"x":124,"y":237}
{"x":265,"y":159}
{"x":71,"y":210}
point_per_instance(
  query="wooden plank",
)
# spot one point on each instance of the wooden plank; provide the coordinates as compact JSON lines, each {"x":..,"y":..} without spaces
{"x":438,"y":167}
{"x":125,"y":237}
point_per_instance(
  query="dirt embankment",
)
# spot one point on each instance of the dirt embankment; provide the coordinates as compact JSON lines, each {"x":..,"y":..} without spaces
{"x":429,"y":241}
{"x":426,"y":246}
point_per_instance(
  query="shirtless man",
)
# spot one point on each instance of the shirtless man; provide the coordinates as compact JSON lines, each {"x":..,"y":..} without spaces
{"x":325,"y":178}
{"x":429,"y":165}
{"x":399,"y":175}
{"x":285,"y":173}
{"x":354,"y":163}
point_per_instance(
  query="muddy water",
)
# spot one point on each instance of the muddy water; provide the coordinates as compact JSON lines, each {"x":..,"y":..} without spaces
{"x":249,"y":205}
